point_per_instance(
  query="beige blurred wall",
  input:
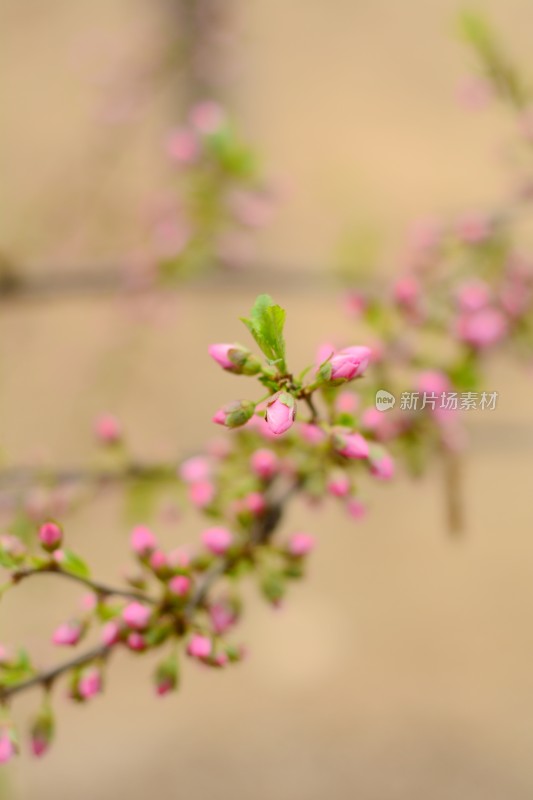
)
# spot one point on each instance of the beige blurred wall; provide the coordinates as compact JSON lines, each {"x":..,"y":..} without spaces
{"x":401,"y":670}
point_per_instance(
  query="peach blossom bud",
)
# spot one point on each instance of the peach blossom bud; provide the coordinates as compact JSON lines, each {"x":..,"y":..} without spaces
{"x":179,"y":558}
{"x":406,"y":290}
{"x":207,"y":117}
{"x":202,"y":493}
{"x":483,"y":328}
{"x":136,"y":616}
{"x":311,"y":434}
{"x":50,"y":535}
{"x":217,"y":540}
{"x":280,"y":413}
{"x":354,"y":304}
{"x":347,"y":364}
{"x":255,"y":503}
{"x":199,"y":646}
{"x":7,"y":747}
{"x":222,"y":617}
{"x":433,"y":382}
{"x":107,"y":429}
{"x":180,"y":585}
{"x":142,"y":541}
{"x":159,"y":562}
{"x":350,"y":445}
{"x":183,"y":146}
{"x":111,"y":633}
{"x":300,"y":544}
{"x":264,"y":463}
{"x":355,"y":508}
{"x":473,"y":295}
{"x":339,"y":485}
{"x":195,"y":469}
{"x":381,"y":464}
{"x":136,"y":642}
{"x":89,"y":602}
{"x":68,"y":634}
{"x":235,"y":414}
{"x":347,"y":403}
{"x":90,"y":683}
{"x":235,"y":358}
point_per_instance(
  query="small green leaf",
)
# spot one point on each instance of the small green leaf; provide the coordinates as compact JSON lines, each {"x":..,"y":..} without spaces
{"x":74,"y":564}
{"x":266,"y":326}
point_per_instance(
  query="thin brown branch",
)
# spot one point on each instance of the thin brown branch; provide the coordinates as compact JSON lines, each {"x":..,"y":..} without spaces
{"x":102,"y":589}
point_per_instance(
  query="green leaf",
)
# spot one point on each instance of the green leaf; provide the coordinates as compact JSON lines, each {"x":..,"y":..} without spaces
{"x":74,"y":564}
{"x":266,"y":326}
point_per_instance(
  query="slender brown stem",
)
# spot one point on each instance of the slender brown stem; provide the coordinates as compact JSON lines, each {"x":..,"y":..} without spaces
{"x":96,"y":586}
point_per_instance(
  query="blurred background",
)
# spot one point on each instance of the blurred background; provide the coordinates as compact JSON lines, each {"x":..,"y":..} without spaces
{"x":402,"y":668}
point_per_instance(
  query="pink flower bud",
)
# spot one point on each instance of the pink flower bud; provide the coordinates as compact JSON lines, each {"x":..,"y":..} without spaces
{"x":183,"y":146}
{"x":311,"y":434}
{"x":347,"y":403}
{"x":280,"y":413}
{"x":255,"y":503}
{"x":473,"y":295}
{"x":407,"y":291}
{"x":136,"y":616}
{"x":339,"y":485}
{"x":381,"y":464}
{"x":89,"y":602}
{"x":207,"y":117}
{"x":202,"y":493}
{"x":351,"y":445}
{"x":347,"y":364}
{"x":142,"y":541}
{"x":300,"y":544}
{"x":180,"y":585}
{"x":433,"y":382}
{"x":235,"y":414}
{"x":7,"y":748}
{"x":217,"y":540}
{"x":264,"y":463}
{"x":195,"y":469}
{"x":355,"y":304}
{"x":111,"y":633}
{"x":220,"y":353}
{"x":222,"y":617}
{"x":136,"y":642}
{"x":107,"y":429}
{"x":90,"y":684}
{"x":482,"y":328}
{"x":355,"y":508}
{"x":50,"y":535}
{"x":235,"y":358}
{"x":158,"y":561}
{"x":199,"y":646}
{"x":68,"y":634}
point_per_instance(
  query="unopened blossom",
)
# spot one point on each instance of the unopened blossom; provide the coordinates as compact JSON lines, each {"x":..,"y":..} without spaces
{"x":235,"y":358}
{"x":7,"y":748}
{"x":311,"y":434}
{"x":110,"y":633}
{"x":222,"y":617}
{"x":355,"y":508}
{"x":381,"y":464}
{"x":159,"y":561}
{"x":136,"y":642}
{"x":90,"y":683}
{"x":483,"y":328}
{"x":407,"y":290}
{"x":108,"y":429}
{"x":351,"y":445}
{"x":199,"y":646}
{"x":300,"y":544}
{"x":142,"y":540}
{"x":68,"y":634}
{"x":255,"y":503}
{"x":207,"y":117}
{"x":346,"y":364}
{"x":346,"y":403}
{"x":338,"y":485}
{"x":217,"y":539}
{"x":235,"y":414}
{"x":264,"y":463}
{"x":195,"y":469}
{"x":50,"y":535}
{"x":280,"y":413}
{"x":180,"y":585}
{"x":183,"y":146}
{"x":473,"y":295}
{"x":136,"y":615}
{"x":202,"y":493}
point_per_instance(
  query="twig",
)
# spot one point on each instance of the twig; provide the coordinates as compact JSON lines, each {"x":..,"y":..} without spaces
{"x":96,"y":586}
